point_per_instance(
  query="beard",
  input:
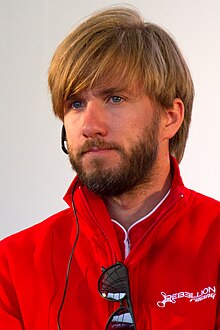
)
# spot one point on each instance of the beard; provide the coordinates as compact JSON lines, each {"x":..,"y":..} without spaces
{"x":136,"y":167}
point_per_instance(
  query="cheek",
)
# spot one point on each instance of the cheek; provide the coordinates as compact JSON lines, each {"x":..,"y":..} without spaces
{"x":140,"y":121}
{"x":71,"y":129}
{"x":128,"y":126}
{"x":72,"y":143}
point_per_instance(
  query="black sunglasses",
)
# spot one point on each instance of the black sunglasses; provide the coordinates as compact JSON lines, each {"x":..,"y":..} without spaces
{"x":113,"y":285}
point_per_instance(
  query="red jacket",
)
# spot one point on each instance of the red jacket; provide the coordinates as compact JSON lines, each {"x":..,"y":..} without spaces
{"x":173,"y":266}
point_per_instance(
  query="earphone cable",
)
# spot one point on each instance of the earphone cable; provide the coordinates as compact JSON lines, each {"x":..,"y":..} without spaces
{"x":70,"y":258}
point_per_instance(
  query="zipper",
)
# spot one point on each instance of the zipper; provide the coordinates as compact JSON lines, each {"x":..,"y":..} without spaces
{"x":127,"y":243}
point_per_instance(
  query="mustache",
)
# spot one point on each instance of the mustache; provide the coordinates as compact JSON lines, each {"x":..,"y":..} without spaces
{"x":98,"y":143}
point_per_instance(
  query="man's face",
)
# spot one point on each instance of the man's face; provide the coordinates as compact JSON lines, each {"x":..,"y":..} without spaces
{"x":112,"y":138}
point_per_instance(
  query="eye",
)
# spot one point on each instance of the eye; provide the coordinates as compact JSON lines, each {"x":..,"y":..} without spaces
{"x":77,"y":104}
{"x":116,"y":99}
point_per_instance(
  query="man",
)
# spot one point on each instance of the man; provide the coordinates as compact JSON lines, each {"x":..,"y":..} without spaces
{"x":135,"y":249}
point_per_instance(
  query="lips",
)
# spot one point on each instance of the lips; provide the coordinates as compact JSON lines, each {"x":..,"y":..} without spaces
{"x":96,"y":150}
{"x":97,"y":147}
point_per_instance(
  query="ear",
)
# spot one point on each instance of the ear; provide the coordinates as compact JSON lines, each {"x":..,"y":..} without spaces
{"x":173,"y":118}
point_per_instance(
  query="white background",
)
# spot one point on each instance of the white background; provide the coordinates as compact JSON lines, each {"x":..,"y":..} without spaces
{"x":34,"y":171}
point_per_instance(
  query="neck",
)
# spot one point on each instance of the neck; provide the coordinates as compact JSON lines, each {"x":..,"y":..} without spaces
{"x":131,"y":206}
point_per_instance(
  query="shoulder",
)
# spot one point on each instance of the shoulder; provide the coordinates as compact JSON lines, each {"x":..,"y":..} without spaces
{"x":34,"y":256}
{"x":203,"y":205}
{"x":200,"y":199}
{"x":58,"y":224}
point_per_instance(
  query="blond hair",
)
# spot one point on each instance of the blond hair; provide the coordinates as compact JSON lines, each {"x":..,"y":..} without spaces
{"x":117,"y":43}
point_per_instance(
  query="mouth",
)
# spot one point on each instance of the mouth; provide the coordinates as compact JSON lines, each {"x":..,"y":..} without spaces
{"x":99,"y":148}
{"x":96,"y":150}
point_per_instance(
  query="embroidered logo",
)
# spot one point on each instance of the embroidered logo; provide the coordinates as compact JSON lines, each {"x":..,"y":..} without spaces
{"x":209,"y":292}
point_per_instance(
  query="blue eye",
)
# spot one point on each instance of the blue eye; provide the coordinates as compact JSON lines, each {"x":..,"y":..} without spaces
{"x":116,"y":99}
{"x":77,"y":104}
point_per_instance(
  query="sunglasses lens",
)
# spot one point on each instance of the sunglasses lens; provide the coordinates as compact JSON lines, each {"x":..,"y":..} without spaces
{"x":121,"y":319}
{"x":113,"y":283}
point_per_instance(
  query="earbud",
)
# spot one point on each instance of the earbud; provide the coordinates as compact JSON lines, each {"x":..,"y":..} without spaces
{"x":63,"y":140}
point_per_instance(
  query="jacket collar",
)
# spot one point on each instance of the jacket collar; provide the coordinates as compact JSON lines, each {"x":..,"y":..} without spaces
{"x":95,"y":220}
{"x":177,"y":183}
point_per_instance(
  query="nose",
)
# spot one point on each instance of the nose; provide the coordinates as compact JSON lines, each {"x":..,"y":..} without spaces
{"x":95,"y":121}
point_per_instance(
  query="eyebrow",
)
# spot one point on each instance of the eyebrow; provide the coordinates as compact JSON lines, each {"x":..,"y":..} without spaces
{"x":102,"y":92}
{"x":107,"y":91}
{"x":112,"y":90}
